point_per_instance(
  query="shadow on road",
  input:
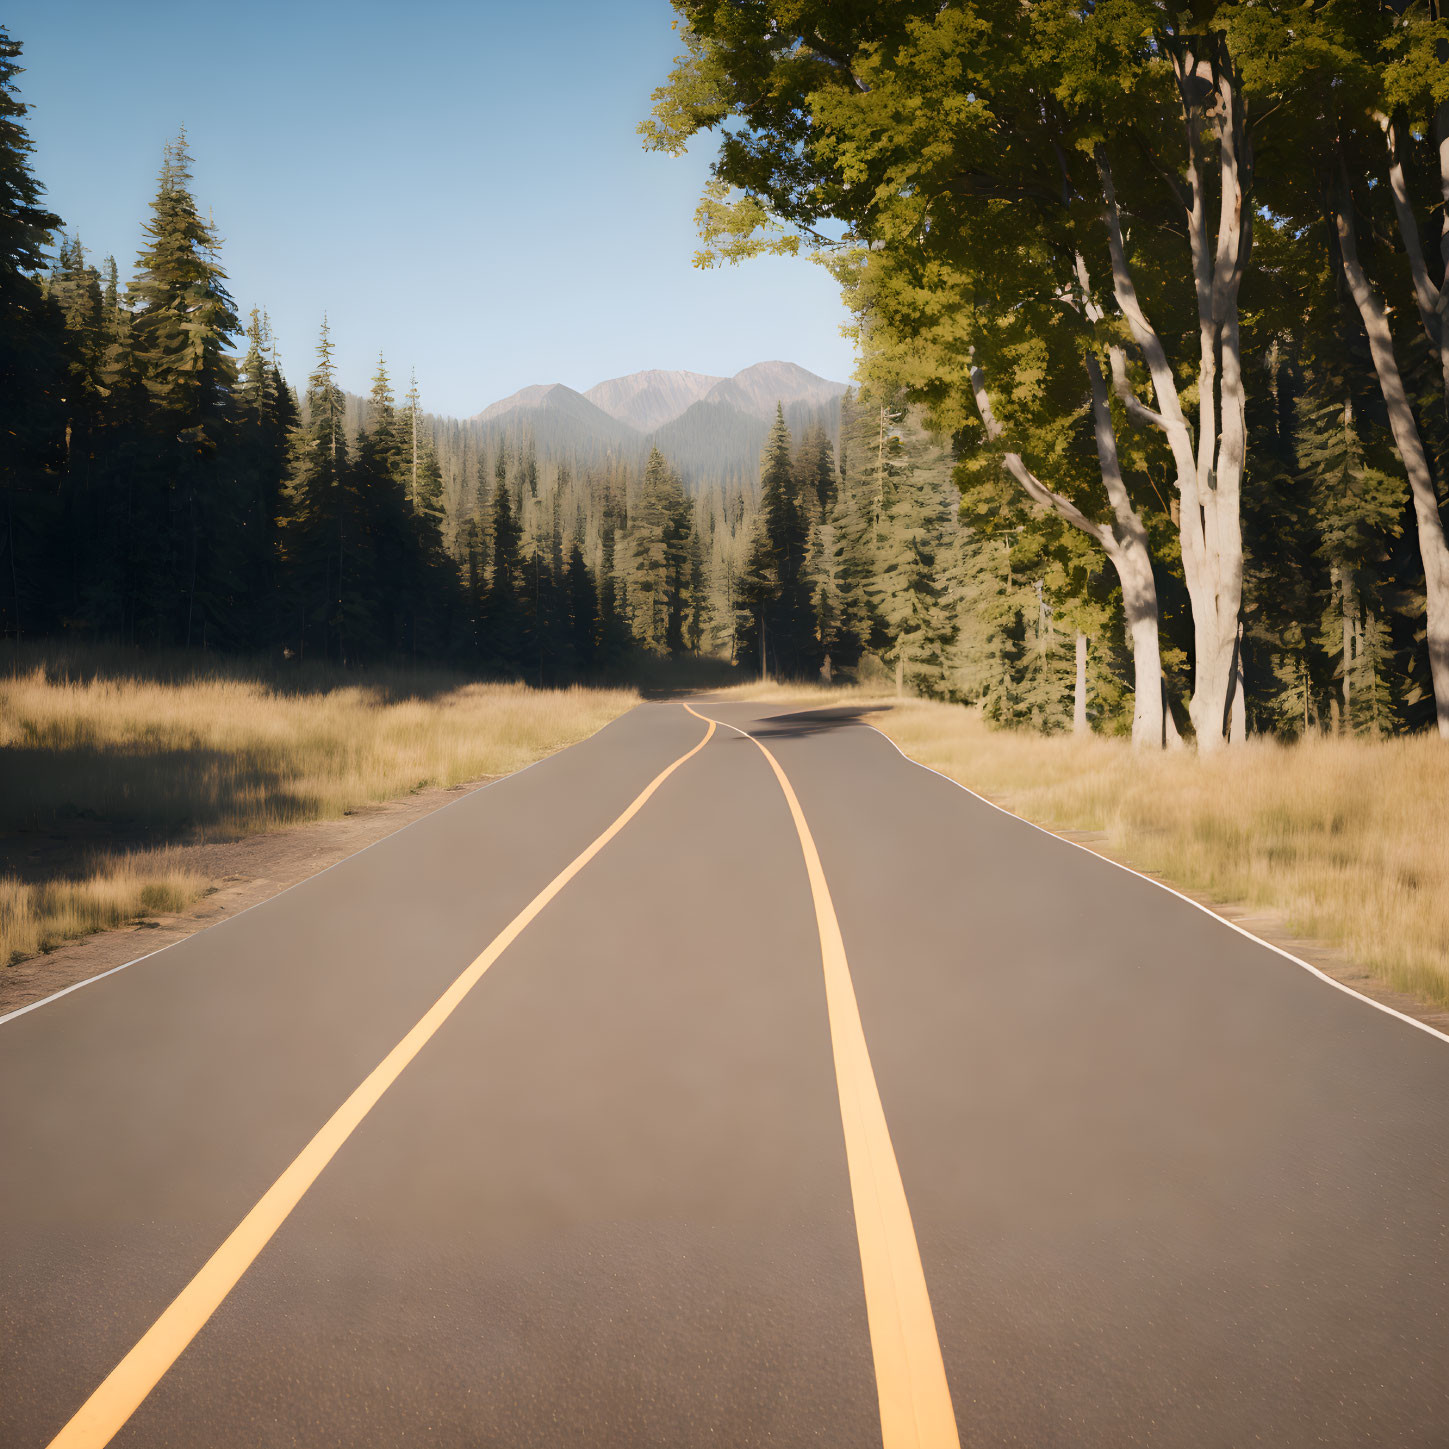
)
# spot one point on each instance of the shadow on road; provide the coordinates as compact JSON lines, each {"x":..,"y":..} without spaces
{"x":814,"y":721}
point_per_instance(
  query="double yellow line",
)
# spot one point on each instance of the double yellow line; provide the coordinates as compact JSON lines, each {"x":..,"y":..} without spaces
{"x":915,"y":1405}
{"x":910,"y":1377}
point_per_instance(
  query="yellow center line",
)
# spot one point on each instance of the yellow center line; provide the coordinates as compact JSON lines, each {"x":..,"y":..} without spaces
{"x":96,"y":1422}
{"x":910,"y":1377}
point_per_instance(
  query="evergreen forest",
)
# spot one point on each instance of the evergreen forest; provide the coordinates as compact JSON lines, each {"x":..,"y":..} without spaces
{"x":1151,"y":434}
{"x":1173,"y":278}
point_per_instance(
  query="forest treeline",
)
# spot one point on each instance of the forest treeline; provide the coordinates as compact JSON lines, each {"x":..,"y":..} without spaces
{"x":1174,"y":277}
{"x":165,"y":486}
{"x":1152,"y":439}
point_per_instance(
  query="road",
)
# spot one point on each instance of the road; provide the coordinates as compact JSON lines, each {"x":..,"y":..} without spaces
{"x":638,"y":1180}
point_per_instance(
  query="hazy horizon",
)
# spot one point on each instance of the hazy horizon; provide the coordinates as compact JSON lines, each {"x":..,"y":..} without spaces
{"x":492,"y":224}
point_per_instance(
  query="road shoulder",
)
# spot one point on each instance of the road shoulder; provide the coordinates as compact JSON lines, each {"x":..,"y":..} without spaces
{"x":247,"y":871}
{"x":1266,"y":925}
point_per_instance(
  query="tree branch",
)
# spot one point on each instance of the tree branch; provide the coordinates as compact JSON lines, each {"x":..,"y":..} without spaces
{"x":1034,"y":487}
{"x":1174,"y":424}
{"x":1137,"y":410}
{"x":1433,"y":303}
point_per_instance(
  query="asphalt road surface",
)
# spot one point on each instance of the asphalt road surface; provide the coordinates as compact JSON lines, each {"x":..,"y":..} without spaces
{"x":635,"y":1181}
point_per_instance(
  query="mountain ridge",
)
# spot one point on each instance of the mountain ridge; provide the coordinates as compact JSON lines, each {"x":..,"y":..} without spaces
{"x":708,"y":427}
{"x":648,"y":400}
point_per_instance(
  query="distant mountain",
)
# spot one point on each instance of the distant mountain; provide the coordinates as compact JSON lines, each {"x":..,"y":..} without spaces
{"x":648,"y":400}
{"x":558,"y":418}
{"x":530,"y":398}
{"x":757,"y":389}
{"x":708,"y":427}
{"x":713,"y":440}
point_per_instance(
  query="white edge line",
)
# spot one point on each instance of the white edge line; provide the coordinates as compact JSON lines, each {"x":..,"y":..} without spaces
{"x":286,"y":890}
{"x":1196,"y":905}
{"x":76,"y":985}
{"x":1161,"y":885}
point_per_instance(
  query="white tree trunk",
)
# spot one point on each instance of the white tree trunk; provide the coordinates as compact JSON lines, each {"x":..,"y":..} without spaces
{"x":1079,"y":695}
{"x":1433,"y":301}
{"x":1152,"y":725}
{"x":1125,"y":544}
{"x":1209,"y":475}
{"x":1133,"y":562}
{"x":1433,"y":549}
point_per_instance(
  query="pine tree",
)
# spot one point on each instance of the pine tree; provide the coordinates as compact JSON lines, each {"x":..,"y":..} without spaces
{"x":264,"y":417}
{"x":1358,"y":511}
{"x":583,"y":611}
{"x":613,"y":631}
{"x":915,"y":631}
{"x":318,"y":535}
{"x":504,"y":643}
{"x":116,"y":557}
{"x":1281,"y":583}
{"x":840,"y":555}
{"x":31,"y":364}
{"x":420,"y":458}
{"x":1375,"y":712}
{"x":815,"y":477}
{"x":776,"y":621}
{"x":699,"y":613}
{"x":659,"y":546}
{"x":472,"y":544}
{"x":1046,"y":668}
{"x":383,"y":424}
{"x":184,"y":318}
{"x":545,"y":602}
{"x":1289,"y":704}
{"x":985,"y":665}
{"x":393,"y":562}
{"x":183,"y":325}
{"x":75,"y":287}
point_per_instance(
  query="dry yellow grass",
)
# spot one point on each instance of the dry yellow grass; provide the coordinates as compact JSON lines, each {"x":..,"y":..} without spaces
{"x":219,"y":756}
{"x":37,"y":917}
{"x":1348,"y":839}
{"x":814,"y":695}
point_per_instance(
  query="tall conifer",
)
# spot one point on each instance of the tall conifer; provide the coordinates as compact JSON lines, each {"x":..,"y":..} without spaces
{"x":317,"y":534}
{"x":776,"y":622}
{"x":31,"y":363}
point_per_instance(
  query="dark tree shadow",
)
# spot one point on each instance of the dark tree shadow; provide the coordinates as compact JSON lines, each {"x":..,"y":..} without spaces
{"x":814,"y":722}
{"x":58,"y":805}
{"x":392,"y":682}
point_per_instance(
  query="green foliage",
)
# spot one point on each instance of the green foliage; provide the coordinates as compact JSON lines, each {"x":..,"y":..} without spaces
{"x":775,"y":614}
{"x":33,"y":363}
{"x":183,"y":315}
{"x":949,"y":162}
{"x":661,"y":531}
{"x":942,"y":161}
{"x":911,"y":536}
{"x":317,"y":523}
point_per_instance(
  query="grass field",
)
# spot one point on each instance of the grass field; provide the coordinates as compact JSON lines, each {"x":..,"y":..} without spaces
{"x":126,"y":757}
{"x":810,"y":695}
{"x":1348,"y":839}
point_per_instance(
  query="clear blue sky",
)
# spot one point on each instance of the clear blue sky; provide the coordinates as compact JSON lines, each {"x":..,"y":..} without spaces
{"x":455,"y":182}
